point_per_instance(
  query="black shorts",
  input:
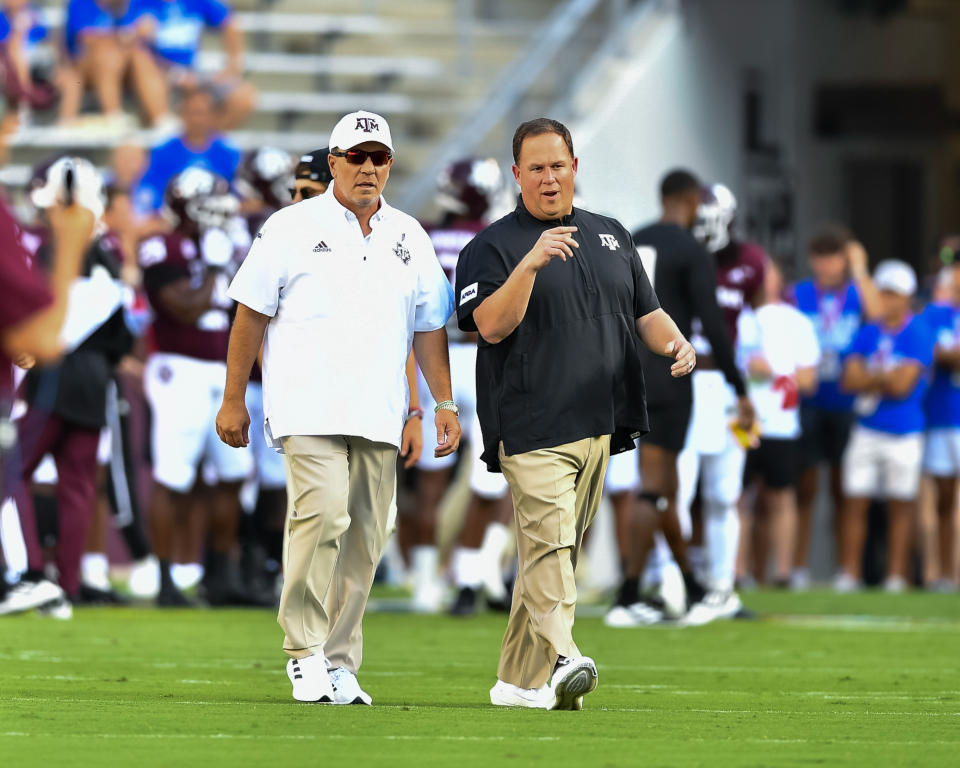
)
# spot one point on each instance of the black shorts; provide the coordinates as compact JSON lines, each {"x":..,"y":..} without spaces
{"x":668,"y":426}
{"x":824,"y":435}
{"x":775,"y":462}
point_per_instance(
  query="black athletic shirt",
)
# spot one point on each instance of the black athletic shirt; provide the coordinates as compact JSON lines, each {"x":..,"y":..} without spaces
{"x":571,"y":369}
{"x":684,"y":277}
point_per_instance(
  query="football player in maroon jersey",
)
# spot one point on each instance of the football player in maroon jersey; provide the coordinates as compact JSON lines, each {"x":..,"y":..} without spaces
{"x":186,"y":274}
{"x":466,"y":192}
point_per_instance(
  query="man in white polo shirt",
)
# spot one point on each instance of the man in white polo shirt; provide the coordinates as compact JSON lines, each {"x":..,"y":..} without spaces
{"x":341,"y":284}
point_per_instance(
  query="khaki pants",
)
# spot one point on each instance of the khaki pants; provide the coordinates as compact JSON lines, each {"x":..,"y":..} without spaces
{"x":556,"y":492}
{"x":335,"y":534}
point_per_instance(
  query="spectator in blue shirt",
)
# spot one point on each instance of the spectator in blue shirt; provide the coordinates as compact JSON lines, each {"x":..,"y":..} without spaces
{"x":837,"y":299}
{"x":887,"y":369}
{"x":21,"y":29}
{"x":100,"y":49}
{"x":941,"y":457}
{"x":199,"y":145}
{"x":173,"y":31}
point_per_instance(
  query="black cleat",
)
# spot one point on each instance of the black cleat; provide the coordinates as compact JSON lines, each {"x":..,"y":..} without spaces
{"x":466,"y":603}
{"x":92,"y":596}
{"x":171,"y":597}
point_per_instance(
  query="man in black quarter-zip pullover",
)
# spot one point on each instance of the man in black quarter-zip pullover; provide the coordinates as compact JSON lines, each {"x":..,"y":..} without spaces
{"x":562,"y":304}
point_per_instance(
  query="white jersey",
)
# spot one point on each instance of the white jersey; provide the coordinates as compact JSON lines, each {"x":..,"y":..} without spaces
{"x":786,"y":339}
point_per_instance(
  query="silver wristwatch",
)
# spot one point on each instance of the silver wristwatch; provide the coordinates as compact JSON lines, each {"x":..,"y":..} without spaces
{"x":447,"y":405}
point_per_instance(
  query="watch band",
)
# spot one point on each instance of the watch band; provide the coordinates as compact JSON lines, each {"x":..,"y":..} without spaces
{"x":447,"y":405}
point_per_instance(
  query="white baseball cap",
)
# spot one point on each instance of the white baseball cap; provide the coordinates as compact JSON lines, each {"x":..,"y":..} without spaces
{"x":895,"y":276}
{"x":358,"y":127}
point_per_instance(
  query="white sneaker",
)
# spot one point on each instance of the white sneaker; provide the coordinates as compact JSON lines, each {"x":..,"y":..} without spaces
{"x":27,"y":595}
{"x":509,"y":695}
{"x":800,"y":580}
{"x":715,"y":605}
{"x":895,"y":585}
{"x":144,"y":578}
{"x":844,"y":583}
{"x":61,"y":609}
{"x":310,"y":679}
{"x":346,"y":689}
{"x":640,"y":614}
{"x":573,"y":679}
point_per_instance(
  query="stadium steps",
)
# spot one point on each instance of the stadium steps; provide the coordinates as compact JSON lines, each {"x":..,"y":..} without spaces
{"x":313,"y":60}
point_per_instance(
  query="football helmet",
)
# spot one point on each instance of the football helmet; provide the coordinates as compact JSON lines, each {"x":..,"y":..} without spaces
{"x":65,"y":180}
{"x":469,"y":187}
{"x":265,"y":173}
{"x":199,"y":200}
{"x":714,"y":217}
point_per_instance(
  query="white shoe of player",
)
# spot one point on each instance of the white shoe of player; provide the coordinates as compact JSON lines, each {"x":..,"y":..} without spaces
{"x":508,"y":695}
{"x":310,"y":679}
{"x":895,"y":585}
{"x":143,"y":580}
{"x":27,"y":595}
{"x":844,"y":583}
{"x":571,"y":681}
{"x":61,"y":609}
{"x":639,"y":614}
{"x":800,"y":580}
{"x":715,"y":605}
{"x":346,"y":689}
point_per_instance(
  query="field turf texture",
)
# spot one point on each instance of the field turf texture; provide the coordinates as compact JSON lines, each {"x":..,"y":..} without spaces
{"x":866,"y":679}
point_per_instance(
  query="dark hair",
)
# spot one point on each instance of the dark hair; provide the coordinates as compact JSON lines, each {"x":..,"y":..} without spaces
{"x":678,"y":182}
{"x":832,"y":238}
{"x":538,"y":127}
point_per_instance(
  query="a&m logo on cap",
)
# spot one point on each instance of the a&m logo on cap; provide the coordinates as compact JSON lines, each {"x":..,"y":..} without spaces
{"x":367,"y":125}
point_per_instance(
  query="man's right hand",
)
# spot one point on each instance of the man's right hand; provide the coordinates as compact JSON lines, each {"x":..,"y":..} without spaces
{"x":73,"y":224}
{"x":746,"y":414}
{"x":551,"y":244}
{"x":233,"y":423}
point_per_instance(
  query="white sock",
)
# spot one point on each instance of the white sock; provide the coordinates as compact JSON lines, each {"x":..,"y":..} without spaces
{"x":424,"y":561}
{"x":467,"y":564}
{"x":722,"y":532}
{"x":657,"y":561}
{"x":94,"y":568}
{"x":186,"y":575}
{"x":496,"y":539}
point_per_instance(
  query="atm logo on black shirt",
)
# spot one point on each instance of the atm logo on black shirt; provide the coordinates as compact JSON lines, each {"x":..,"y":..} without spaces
{"x":609,"y":241}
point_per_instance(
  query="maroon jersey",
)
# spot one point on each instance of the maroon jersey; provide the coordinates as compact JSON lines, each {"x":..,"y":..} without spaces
{"x":448,"y":242}
{"x":167,"y":259}
{"x":24,"y":293}
{"x":740,"y":274}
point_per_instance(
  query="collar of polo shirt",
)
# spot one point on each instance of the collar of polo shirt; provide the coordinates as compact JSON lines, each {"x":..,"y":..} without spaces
{"x":563,"y":221}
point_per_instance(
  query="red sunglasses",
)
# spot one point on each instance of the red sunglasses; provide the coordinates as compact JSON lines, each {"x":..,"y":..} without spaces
{"x":359,"y":156}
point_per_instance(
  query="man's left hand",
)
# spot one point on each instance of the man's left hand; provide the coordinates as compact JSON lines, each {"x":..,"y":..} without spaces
{"x":448,"y":432}
{"x":411,"y":442}
{"x":683,"y":352}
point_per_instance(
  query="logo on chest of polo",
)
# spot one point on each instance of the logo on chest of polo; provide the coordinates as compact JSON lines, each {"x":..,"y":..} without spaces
{"x":609,"y":241}
{"x":322,"y":247}
{"x":401,"y":251}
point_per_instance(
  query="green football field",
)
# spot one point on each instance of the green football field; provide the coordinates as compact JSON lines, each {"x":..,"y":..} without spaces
{"x":868,"y":679}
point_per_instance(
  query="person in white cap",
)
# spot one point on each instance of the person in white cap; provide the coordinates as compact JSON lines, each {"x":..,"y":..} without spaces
{"x":887,"y":368}
{"x":341,"y":284}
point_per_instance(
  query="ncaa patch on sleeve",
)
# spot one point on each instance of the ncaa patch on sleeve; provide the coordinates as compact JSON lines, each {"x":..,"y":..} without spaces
{"x":470,"y":292}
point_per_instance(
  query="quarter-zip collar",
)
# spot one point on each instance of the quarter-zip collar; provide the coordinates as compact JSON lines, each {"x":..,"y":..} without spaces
{"x":568,"y":220}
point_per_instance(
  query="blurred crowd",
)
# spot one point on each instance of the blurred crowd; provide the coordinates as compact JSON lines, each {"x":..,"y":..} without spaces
{"x":853,"y":373}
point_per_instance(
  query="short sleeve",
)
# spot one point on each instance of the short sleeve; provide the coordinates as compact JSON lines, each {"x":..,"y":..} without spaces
{"x":434,"y":294}
{"x":807,"y":346}
{"x":214,"y":12}
{"x":481,"y":270}
{"x":25,"y":292}
{"x":918,"y":342}
{"x":861,"y":342}
{"x":262,"y":274}
{"x":644,"y":297}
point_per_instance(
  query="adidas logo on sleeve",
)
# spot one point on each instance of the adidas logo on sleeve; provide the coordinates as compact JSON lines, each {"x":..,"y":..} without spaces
{"x":322,"y":247}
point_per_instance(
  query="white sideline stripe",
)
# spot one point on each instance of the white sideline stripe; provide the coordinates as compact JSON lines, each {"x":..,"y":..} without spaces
{"x":406,"y":707}
{"x":434,"y":737}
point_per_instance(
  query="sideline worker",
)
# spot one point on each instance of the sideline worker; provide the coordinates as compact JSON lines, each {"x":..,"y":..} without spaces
{"x":562,"y":304}
{"x":342,"y":284}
